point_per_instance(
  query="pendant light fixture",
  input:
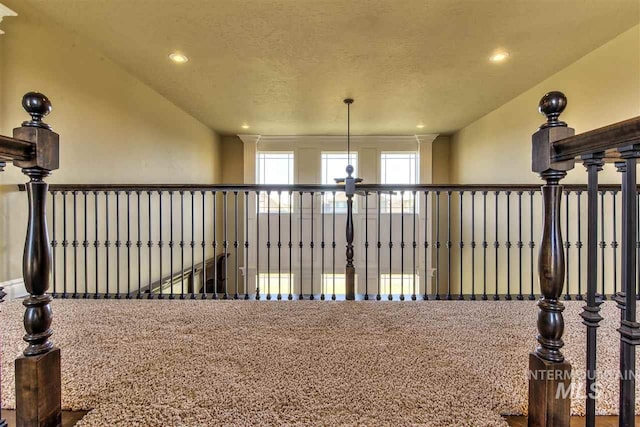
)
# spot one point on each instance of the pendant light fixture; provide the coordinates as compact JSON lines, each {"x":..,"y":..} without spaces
{"x":350,"y":181}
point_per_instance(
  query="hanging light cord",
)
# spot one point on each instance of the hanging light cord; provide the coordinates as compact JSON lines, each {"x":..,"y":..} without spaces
{"x":349,"y":133}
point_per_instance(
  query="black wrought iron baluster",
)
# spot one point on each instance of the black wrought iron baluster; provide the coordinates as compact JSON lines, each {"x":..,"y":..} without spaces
{"x":520,"y":246}
{"x":603,"y":246}
{"x":496,"y":245}
{"x":532,"y":245}
{"x":246,"y":245}
{"x":235,"y":243}
{"x":225,"y":245}
{"x":333,"y":246}
{"x":414,"y":246}
{"x":311,"y":244}
{"x":192,"y":281}
{"x":301,"y":294}
{"x":85,"y":245}
{"x":203,"y":291}
{"x":128,"y":244}
{"x":567,"y":246}
{"x":290,"y":297}
{"x":390,"y":296}
{"x":591,"y":312}
{"x":437,"y":245}
{"x":257,"y":244}
{"x":366,"y":245}
{"x":425,"y":295}
{"x":626,"y":299}
{"x":107,"y":244}
{"x":508,"y":246}
{"x":402,"y":246}
{"x":160,"y":245}
{"x":65,"y":243}
{"x":182,"y":295}
{"x":150,"y":246}
{"x":485,"y":245}
{"x":614,"y":244}
{"x":461,"y":245}
{"x":96,"y":242}
{"x":214,"y":195}
{"x":54,"y":244}
{"x":171,"y":244}
{"x":579,"y":245}
{"x":473,"y":245}
{"x":448,"y":245}
{"x":75,"y":243}
{"x":269,"y":245}
{"x":378,"y":297}
{"x":139,"y":246}
{"x":279,"y":249}
{"x":118,"y":244}
{"x":322,"y":246}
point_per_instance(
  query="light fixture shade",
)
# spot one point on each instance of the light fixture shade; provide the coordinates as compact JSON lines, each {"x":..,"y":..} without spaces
{"x":178,"y":57}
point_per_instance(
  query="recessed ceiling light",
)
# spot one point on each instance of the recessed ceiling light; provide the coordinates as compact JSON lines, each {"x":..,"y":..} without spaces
{"x":245,"y":126}
{"x":178,"y":58}
{"x":499,"y":56}
{"x":420,"y":126}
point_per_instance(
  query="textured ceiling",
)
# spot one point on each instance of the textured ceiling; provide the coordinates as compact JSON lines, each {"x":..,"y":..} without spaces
{"x":284,"y":66}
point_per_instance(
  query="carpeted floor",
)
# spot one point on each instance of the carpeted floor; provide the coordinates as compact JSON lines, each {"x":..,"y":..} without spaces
{"x":202,"y":363}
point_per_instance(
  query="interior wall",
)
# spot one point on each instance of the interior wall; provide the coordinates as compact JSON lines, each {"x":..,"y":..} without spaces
{"x":232,"y":152}
{"x":603,"y":87}
{"x":441,"y":159}
{"x":113,"y":127}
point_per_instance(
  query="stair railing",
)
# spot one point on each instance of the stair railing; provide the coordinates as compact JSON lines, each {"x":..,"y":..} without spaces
{"x":555,"y":149}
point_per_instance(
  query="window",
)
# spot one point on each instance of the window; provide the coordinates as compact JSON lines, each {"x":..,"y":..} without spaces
{"x":328,"y":282}
{"x":333,"y":166}
{"x":398,"y":168}
{"x":277,"y":169}
{"x":274,"y":283}
{"x":397,"y":284}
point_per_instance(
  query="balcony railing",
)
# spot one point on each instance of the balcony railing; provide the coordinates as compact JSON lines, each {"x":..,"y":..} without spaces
{"x":287,"y":242}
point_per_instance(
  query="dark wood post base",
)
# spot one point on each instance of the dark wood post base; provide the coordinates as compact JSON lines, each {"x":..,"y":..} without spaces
{"x":350,"y":283}
{"x":549,"y":392}
{"x":38,"y":390}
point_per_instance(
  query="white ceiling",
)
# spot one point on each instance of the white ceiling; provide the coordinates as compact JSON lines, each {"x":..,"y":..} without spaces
{"x":284,"y":66}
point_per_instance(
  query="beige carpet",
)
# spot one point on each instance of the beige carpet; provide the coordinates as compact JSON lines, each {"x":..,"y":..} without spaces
{"x":203,"y":363}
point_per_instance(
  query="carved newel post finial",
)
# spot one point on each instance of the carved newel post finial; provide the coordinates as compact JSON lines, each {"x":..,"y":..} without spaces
{"x":552,"y":105}
{"x":38,"y":106}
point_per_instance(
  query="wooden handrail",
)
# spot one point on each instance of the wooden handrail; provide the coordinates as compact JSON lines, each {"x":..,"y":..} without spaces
{"x":309,"y":187}
{"x":599,"y":140}
{"x":15,"y":149}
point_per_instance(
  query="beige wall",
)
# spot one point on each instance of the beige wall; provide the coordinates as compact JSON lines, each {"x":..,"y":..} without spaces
{"x":603,"y":87}
{"x":113,"y":127}
{"x":441,"y":159}
{"x":232,"y":152}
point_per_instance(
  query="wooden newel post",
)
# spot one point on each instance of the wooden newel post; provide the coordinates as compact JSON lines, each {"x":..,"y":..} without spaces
{"x":350,"y":270}
{"x":38,"y":385}
{"x":350,"y":190}
{"x":549,"y":372}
